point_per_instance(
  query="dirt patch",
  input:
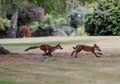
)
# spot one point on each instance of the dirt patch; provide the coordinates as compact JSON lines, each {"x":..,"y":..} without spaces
{"x":65,"y":55}
{"x":8,"y":58}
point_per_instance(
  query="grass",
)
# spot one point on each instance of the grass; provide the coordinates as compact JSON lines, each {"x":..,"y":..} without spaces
{"x":32,"y":68}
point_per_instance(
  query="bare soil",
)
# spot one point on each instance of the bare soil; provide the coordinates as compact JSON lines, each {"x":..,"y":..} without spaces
{"x":61,"y":55}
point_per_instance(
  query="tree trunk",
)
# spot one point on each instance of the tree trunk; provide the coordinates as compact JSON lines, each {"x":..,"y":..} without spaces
{"x":83,"y":28}
{"x":13,"y":28}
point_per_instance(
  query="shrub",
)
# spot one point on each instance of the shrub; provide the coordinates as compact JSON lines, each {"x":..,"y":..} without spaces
{"x":52,"y":25}
{"x":53,"y":21}
{"x":76,"y":17}
{"x":68,"y":30}
{"x":105,"y":20}
{"x":60,"y":21}
{"x":49,"y":21}
{"x":4,"y":25}
{"x":46,"y":31}
{"x":80,"y":31}
{"x":34,"y":26}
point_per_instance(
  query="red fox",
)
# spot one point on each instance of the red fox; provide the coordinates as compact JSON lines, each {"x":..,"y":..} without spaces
{"x":92,"y":49}
{"x":48,"y":49}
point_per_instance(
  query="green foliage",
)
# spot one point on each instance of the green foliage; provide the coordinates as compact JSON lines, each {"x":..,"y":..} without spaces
{"x":60,"y":21}
{"x":10,"y":5}
{"x":80,"y":31}
{"x":59,"y":24}
{"x":83,"y":2}
{"x":77,"y":17}
{"x":4,"y":26}
{"x":25,"y":16}
{"x":49,"y":21}
{"x":105,"y":20}
{"x":34,"y":26}
{"x":62,"y":7}
{"x":68,"y":30}
{"x":7,"y":23}
{"x":4,"y":23}
{"x":53,"y":21}
{"x":43,"y":31}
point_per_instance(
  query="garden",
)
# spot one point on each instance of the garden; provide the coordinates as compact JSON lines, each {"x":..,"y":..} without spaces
{"x":28,"y":24}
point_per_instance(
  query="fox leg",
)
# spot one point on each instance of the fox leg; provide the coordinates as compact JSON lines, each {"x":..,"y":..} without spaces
{"x":50,"y":55}
{"x":77,"y":53}
{"x":46,"y":53}
{"x":99,"y":53}
{"x":95,"y":54}
{"x":73,"y":53}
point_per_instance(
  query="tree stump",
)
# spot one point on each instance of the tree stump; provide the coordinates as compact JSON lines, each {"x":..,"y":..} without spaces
{"x":4,"y":51}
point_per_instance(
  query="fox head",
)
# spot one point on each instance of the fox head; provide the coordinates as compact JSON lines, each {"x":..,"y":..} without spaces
{"x":58,"y":46}
{"x":97,"y":47}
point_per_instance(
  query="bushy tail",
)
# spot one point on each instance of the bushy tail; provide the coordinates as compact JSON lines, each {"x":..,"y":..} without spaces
{"x":33,"y":47}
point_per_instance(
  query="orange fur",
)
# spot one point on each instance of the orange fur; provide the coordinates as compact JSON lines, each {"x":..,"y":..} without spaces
{"x":48,"y":49}
{"x":92,"y":49}
{"x":24,"y":31}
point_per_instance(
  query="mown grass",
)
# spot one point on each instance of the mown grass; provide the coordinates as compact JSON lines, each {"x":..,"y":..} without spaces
{"x":62,"y":68}
{"x":21,"y":43}
{"x":12,"y":44}
{"x":60,"y":71}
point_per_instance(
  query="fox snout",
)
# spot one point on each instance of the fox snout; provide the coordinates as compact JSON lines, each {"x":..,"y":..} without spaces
{"x":99,"y":50}
{"x":74,"y":48}
{"x":61,"y":48}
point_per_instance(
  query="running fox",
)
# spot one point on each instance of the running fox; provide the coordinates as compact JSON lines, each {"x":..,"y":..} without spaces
{"x":48,"y":49}
{"x":92,"y":49}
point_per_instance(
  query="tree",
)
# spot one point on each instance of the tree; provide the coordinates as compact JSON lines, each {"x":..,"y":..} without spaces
{"x":13,"y":6}
{"x":22,"y":13}
{"x":105,"y":19}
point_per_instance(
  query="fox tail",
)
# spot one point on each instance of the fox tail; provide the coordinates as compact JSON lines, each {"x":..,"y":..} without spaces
{"x":33,"y":47}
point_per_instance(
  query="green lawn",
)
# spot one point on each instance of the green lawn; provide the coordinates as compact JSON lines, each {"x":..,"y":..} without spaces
{"x":32,"y":68}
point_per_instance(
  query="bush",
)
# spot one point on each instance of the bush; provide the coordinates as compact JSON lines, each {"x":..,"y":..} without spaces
{"x":76,"y":17}
{"x":60,"y":21}
{"x":52,"y":21}
{"x":34,"y":26}
{"x":49,"y":21}
{"x":80,"y":31}
{"x":46,"y":31}
{"x":4,"y":25}
{"x":51,"y":26}
{"x":105,"y":20}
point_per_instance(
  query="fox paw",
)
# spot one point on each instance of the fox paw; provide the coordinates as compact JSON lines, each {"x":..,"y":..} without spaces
{"x":97,"y":56}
